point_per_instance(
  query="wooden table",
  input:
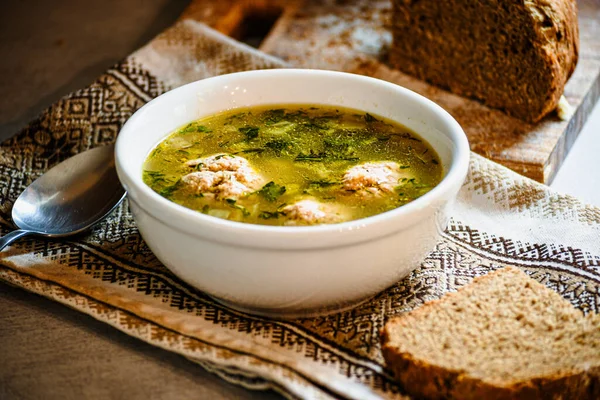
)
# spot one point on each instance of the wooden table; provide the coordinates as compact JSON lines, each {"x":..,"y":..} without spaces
{"x":47,"y":350}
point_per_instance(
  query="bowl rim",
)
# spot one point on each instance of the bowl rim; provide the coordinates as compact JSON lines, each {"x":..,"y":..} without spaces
{"x":454,"y":177}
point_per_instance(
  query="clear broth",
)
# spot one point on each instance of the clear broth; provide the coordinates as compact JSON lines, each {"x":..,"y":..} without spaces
{"x":302,"y":152}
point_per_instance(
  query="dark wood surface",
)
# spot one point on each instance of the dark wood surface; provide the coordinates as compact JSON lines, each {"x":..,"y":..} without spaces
{"x":52,"y":352}
{"x":48,"y":351}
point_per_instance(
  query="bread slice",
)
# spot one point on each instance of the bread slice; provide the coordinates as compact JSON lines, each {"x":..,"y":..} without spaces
{"x":512,"y":55}
{"x":504,"y":336}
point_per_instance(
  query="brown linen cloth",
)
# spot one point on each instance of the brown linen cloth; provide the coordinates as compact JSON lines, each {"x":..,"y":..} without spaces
{"x":500,"y":219}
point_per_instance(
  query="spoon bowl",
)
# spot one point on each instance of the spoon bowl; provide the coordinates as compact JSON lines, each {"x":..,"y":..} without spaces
{"x":69,"y":198}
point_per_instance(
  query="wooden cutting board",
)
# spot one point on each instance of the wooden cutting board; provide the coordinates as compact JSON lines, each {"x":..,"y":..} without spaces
{"x":353,"y":36}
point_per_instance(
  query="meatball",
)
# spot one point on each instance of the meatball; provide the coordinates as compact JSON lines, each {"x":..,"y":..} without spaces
{"x":311,"y":212}
{"x":222,"y":175}
{"x":373,"y":178}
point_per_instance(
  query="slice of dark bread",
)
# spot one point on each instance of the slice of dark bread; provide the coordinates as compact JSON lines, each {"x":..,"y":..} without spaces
{"x":504,"y":336}
{"x":512,"y":55}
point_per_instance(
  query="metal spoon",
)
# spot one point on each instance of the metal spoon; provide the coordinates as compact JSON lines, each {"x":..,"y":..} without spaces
{"x":69,"y":198}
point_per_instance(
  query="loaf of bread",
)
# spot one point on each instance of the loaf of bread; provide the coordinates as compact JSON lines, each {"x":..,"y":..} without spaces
{"x":504,"y":336}
{"x":511,"y":55}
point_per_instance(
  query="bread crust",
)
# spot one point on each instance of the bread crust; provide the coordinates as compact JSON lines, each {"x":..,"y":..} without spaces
{"x":561,"y":55}
{"x":554,"y":36}
{"x":424,"y":380}
{"x":428,"y":381}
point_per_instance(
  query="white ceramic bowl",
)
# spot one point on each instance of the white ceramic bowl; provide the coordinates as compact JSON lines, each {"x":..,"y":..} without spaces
{"x":290,"y":271}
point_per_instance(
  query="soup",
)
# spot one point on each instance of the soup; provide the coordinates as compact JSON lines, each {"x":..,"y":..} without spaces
{"x":292,"y":165}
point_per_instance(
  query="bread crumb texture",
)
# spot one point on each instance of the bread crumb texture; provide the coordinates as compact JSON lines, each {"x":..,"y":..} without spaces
{"x":503,"y":336}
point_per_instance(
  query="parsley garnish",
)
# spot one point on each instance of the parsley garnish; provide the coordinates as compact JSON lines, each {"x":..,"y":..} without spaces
{"x":253,"y":150}
{"x":251,"y":132}
{"x":168,"y":191}
{"x":192,"y":127}
{"x":323,"y":183}
{"x":278,"y":145}
{"x":270,"y":215}
{"x":312,"y":156}
{"x":369,"y":118}
{"x":155,"y":176}
{"x":232,"y":203}
{"x":406,"y":135}
{"x":271,"y":191}
{"x":274,"y":116}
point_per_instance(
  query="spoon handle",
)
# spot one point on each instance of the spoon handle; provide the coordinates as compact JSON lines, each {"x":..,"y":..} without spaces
{"x":12,"y":236}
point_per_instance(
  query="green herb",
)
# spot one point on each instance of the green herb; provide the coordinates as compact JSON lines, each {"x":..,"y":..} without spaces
{"x":339,"y":149}
{"x":278,"y":145}
{"x":274,"y":116}
{"x":155,"y":177}
{"x":271,"y":191}
{"x":253,"y":150}
{"x":188,"y":128}
{"x":312,"y":125}
{"x":202,"y":128}
{"x":312,"y":156}
{"x":243,"y":209}
{"x":168,"y":191}
{"x":369,"y":118}
{"x":334,"y":149}
{"x":270,"y":215}
{"x":326,"y":118}
{"x":404,"y":166}
{"x":323,"y":183}
{"x":420,"y":158}
{"x":337,"y":145}
{"x":205,"y":209}
{"x":251,"y":132}
{"x":406,"y":135}
{"x":154,"y":174}
{"x":237,"y":116}
{"x":232,"y":204}
{"x":322,"y":156}
{"x":299,"y":113}
{"x":192,"y":127}
{"x":156,"y":151}
{"x":435,"y":161}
